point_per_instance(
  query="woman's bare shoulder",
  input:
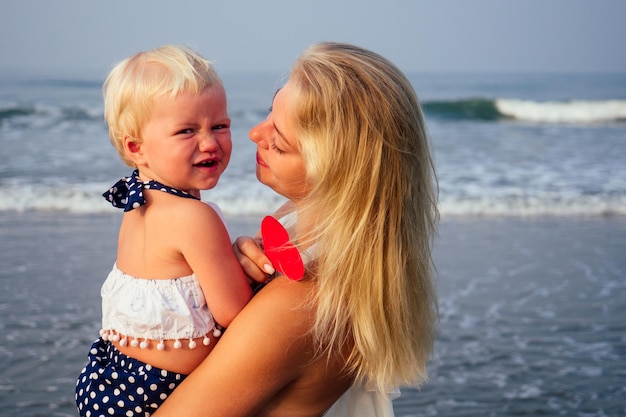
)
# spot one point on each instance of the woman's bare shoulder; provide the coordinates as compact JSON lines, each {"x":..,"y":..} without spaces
{"x":283,"y":298}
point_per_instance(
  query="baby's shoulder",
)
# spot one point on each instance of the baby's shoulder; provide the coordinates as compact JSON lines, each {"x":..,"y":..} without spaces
{"x":188,"y":209}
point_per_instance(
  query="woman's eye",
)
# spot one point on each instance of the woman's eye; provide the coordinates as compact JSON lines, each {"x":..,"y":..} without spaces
{"x":276,"y":148}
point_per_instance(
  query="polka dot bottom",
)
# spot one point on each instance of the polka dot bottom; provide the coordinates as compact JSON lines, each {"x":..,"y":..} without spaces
{"x":113,"y":384}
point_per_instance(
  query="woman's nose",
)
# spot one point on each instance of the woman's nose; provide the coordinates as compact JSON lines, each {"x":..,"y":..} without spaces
{"x":258,"y":134}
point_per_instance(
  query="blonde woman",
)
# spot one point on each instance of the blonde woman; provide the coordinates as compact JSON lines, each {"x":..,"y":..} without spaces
{"x":345,"y":143}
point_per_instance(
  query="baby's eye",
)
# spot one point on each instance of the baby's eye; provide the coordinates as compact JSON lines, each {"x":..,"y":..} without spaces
{"x":185,"y":131}
{"x":221,"y":126}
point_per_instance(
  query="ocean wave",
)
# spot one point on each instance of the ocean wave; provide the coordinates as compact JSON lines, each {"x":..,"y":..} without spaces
{"x":577,"y":111}
{"x":243,"y":199}
{"x":467,"y":109}
{"x":574,"y":111}
{"x":35,"y":115}
{"x":555,"y":206}
{"x":479,"y":109}
{"x":19,"y":111}
{"x":234,"y":199}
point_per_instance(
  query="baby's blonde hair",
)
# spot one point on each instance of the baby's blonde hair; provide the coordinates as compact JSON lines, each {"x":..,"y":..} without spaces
{"x":132,"y":85}
{"x":374,"y":203}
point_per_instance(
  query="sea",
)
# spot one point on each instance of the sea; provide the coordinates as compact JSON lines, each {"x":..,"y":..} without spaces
{"x":522,"y":145}
{"x":531,"y":257}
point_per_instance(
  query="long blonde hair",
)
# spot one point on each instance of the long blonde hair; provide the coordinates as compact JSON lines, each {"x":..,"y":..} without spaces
{"x":132,"y":85}
{"x":374,"y":203}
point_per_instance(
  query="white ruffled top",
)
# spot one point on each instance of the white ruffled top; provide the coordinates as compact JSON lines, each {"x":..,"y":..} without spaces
{"x":360,"y":401}
{"x":155,"y":309}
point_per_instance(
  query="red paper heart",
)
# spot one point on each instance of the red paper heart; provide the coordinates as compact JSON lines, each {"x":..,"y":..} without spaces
{"x":284,"y":255}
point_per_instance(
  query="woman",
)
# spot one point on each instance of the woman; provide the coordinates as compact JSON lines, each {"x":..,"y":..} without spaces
{"x":346,"y":144}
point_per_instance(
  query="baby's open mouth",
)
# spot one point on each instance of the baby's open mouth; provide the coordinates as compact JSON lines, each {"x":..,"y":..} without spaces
{"x":208,"y":163}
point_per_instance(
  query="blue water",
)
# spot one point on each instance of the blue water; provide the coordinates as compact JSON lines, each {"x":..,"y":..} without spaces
{"x":530,"y":260}
{"x":504,"y":145}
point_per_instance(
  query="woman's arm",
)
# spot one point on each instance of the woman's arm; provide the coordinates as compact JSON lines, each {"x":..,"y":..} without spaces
{"x":263,"y":351}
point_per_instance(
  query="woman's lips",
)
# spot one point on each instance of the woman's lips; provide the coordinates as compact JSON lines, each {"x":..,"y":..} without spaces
{"x":260,"y":161}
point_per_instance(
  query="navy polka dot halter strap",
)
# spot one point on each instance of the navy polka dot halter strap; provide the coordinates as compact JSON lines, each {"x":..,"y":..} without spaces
{"x":127,"y":193}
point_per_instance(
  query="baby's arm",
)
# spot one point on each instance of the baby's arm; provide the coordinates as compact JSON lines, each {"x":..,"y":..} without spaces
{"x":207,"y":249}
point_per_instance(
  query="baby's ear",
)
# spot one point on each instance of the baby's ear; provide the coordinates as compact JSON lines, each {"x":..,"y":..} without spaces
{"x":133,"y":149}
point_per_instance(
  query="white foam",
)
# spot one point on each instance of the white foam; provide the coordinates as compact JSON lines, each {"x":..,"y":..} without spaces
{"x":577,"y":111}
{"x":524,"y":391}
{"x":77,"y":199}
{"x":87,"y":198}
{"x":243,"y":199}
{"x":532,"y":206}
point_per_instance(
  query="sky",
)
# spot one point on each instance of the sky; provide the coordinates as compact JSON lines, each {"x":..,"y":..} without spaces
{"x":73,"y":37}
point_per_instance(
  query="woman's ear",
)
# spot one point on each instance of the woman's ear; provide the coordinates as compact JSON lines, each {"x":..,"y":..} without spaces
{"x":133,"y":149}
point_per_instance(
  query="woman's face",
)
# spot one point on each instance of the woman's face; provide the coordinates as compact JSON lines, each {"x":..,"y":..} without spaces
{"x":279,"y":163}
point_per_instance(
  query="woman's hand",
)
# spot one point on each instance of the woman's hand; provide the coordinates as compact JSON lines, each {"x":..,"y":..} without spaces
{"x":249,"y":252}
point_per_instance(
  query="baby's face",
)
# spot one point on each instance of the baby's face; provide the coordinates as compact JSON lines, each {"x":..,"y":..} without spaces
{"x":186,"y":143}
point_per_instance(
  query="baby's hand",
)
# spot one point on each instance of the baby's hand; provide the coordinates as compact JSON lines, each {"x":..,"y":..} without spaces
{"x":249,"y":252}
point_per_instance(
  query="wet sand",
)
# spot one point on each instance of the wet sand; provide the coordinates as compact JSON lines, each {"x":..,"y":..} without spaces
{"x":531,"y":313}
